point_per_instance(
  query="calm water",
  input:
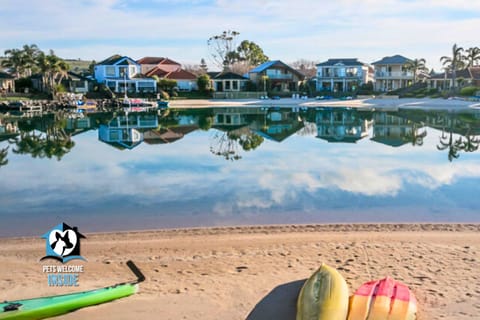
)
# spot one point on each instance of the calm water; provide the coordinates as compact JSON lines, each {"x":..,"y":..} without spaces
{"x":230,"y":166}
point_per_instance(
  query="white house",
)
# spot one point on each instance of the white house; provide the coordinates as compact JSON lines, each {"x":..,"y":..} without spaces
{"x":391,"y":73}
{"x":123,"y":73}
{"x":341,"y":75}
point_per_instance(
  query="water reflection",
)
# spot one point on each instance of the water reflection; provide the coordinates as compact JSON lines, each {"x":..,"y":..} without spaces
{"x":238,"y":129}
{"x":169,"y":168}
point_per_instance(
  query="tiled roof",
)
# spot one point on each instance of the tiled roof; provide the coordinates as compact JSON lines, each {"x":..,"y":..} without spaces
{"x":347,"y":62}
{"x":178,"y":74}
{"x":396,"y":59}
{"x":465,"y":73}
{"x":157,"y":60}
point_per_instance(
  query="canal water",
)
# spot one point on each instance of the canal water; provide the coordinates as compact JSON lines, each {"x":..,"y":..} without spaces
{"x":237,"y":166}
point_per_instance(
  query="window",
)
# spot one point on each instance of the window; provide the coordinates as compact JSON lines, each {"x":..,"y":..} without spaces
{"x":235,"y":85}
{"x":123,"y":71}
{"x":110,"y":71}
{"x":227,"y":85}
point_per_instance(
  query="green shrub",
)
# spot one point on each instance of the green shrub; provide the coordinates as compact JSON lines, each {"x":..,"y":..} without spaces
{"x":164,"y":95}
{"x":469,"y":91}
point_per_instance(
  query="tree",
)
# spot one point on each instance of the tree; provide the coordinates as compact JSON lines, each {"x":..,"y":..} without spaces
{"x":22,"y":62}
{"x":472,"y":57}
{"x":454,"y":63}
{"x":53,"y":69}
{"x":307,"y":67}
{"x":203,"y":83}
{"x":415,"y":66}
{"x":251,"y":53}
{"x":203,"y":65}
{"x":15,"y":61}
{"x":221,"y":48}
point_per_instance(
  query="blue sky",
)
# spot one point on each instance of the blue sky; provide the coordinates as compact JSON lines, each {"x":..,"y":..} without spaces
{"x":286,"y":30}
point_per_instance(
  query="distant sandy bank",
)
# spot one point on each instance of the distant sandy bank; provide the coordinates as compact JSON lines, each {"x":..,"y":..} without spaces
{"x":385,"y":103}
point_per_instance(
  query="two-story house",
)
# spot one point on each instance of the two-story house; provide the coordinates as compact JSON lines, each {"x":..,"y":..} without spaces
{"x":391,"y":73}
{"x":276,"y":76}
{"x":341,"y":75}
{"x":165,"y":68}
{"x":123,"y":74}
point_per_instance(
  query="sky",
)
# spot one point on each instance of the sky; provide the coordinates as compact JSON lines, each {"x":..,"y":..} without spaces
{"x":286,"y":30}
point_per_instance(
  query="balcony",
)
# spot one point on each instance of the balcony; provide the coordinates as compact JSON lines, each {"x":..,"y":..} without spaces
{"x":280,"y":76}
{"x":394,"y":74}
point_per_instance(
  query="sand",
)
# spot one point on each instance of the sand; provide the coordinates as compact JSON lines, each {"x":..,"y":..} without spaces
{"x":454,"y":104}
{"x":256,"y":272}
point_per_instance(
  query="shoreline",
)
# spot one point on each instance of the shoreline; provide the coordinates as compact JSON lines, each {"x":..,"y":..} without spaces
{"x":246,"y":272}
{"x":375,"y":103}
{"x":280,"y":228}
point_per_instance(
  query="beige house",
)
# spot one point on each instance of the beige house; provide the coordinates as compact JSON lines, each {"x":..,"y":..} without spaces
{"x":444,"y":81}
{"x":391,"y":74}
{"x":276,"y":76}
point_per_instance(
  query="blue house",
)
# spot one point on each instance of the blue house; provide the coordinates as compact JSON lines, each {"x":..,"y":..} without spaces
{"x":123,"y":74}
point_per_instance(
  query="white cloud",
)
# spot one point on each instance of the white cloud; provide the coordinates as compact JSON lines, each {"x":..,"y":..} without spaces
{"x":286,"y":30}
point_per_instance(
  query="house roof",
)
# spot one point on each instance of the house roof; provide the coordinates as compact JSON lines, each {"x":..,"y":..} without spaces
{"x":347,"y":62}
{"x":157,"y":60}
{"x":469,"y":73}
{"x":396,"y":59}
{"x":178,"y":74}
{"x":229,"y":75}
{"x":117,"y":59}
{"x":275,"y":63}
{"x":4,"y":75}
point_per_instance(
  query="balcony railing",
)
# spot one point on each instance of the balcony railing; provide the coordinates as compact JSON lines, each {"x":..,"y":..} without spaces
{"x":280,"y":76}
{"x":394,"y":74}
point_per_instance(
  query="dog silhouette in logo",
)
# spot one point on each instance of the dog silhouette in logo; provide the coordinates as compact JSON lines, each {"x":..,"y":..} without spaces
{"x":63,"y":241}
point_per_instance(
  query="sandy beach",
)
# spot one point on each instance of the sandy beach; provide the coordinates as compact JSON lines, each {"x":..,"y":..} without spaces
{"x":384,"y":103}
{"x":256,"y":272}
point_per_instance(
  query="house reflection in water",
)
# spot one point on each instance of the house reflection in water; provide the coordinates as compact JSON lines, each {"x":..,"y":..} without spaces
{"x":126,"y":131}
{"x":396,"y":131}
{"x":341,"y":125}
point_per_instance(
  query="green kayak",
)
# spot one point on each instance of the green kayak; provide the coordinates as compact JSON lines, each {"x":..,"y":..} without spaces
{"x":44,"y":307}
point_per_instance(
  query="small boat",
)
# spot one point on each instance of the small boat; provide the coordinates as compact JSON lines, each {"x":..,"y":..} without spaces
{"x":138,"y":105}
{"x":44,"y":307}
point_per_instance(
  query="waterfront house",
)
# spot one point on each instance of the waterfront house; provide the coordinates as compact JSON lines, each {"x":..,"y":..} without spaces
{"x":165,"y":68}
{"x":444,"y":80}
{"x":391,"y":73}
{"x":186,"y":81}
{"x":229,"y":82}
{"x":341,"y":75}
{"x":276,"y":76}
{"x":121,"y":73}
{"x":7,"y":82}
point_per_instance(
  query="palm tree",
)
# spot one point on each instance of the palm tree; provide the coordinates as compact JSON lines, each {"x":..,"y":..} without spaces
{"x":30,"y":54}
{"x":472,"y":57}
{"x":415,"y":66}
{"x":53,"y":68}
{"x":15,"y":61}
{"x":455,"y":62}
